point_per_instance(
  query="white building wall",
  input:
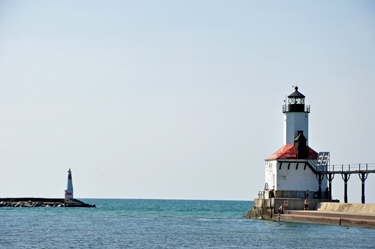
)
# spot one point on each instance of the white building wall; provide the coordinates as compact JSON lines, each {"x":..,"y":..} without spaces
{"x":293,"y":122}
{"x":270,"y":174}
{"x":291,"y":179}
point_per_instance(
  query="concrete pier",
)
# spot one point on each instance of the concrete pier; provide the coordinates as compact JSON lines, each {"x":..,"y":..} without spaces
{"x":321,"y":212}
{"x":41,"y":202}
{"x":269,"y":207}
{"x":329,"y":218}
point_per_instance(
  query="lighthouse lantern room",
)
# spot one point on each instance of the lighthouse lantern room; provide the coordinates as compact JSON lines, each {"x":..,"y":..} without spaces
{"x":291,"y":170}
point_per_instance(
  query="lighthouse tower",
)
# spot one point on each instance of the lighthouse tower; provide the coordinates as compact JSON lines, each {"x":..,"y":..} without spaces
{"x":292,"y":170}
{"x":296,"y":117}
{"x":69,"y":190}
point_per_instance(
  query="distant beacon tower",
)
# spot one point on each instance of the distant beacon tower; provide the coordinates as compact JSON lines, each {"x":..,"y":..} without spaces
{"x":291,"y":170}
{"x":296,"y":117}
{"x":69,"y":191}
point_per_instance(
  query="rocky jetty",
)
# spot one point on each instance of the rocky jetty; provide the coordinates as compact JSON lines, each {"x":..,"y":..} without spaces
{"x":42,"y":202}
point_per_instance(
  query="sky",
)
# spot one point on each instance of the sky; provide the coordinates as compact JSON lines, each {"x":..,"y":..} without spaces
{"x":178,"y":99}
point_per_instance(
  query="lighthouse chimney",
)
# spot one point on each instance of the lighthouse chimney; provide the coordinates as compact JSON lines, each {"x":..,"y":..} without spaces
{"x":300,"y":145}
{"x":296,"y":117}
{"x":69,"y":191}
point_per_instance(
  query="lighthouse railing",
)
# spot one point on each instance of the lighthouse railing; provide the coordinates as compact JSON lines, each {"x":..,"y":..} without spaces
{"x":307,"y":108}
{"x":286,"y":109}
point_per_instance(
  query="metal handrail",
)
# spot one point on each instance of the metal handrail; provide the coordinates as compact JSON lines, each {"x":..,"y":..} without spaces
{"x":352,"y":168}
{"x":285,"y":108}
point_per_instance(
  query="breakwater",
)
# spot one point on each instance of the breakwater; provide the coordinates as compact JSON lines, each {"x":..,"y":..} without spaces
{"x":42,"y":202}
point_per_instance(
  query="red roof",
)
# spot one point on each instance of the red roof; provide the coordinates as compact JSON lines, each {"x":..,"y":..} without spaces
{"x":289,"y":152}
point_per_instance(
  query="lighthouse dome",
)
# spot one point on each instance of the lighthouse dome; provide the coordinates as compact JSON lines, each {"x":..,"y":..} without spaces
{"x":296,"y":94}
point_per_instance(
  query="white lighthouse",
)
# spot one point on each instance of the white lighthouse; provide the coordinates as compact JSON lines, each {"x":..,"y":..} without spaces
{"x":296,"y":117}
{"x":69,"y":190}
{"x":292,"y":170}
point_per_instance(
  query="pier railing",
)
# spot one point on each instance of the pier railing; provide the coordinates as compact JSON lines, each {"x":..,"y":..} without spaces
{"x":350,"y":168}
{"x":344,"y":168}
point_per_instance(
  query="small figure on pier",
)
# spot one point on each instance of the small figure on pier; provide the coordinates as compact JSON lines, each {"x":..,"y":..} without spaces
{"x":307,"y":194}
{"x":306,"y":205}
{"x":281,"y":209}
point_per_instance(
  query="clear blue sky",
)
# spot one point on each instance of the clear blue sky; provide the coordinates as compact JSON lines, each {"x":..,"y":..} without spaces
{"x":178,"y":99}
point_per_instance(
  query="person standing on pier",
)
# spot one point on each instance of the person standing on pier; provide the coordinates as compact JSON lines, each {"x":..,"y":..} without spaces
{"x":307,"y":194}
{"x":306,"y":205}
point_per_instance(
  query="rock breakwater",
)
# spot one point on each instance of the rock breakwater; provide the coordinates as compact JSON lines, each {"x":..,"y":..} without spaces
{"x":42,"y":202}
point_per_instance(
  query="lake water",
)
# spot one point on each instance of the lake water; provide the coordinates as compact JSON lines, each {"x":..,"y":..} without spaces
{"x":127,"y":223}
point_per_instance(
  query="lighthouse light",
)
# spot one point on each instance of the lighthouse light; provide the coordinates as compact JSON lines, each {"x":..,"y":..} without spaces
{"x":300,"y":101}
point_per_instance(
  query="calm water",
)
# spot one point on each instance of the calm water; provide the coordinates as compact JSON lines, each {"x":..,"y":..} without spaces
{"x":123,"y":223}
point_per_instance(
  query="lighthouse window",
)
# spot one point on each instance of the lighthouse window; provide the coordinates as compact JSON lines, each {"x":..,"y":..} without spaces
{"x":292,"y":101}
{"x":300,"y":101}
